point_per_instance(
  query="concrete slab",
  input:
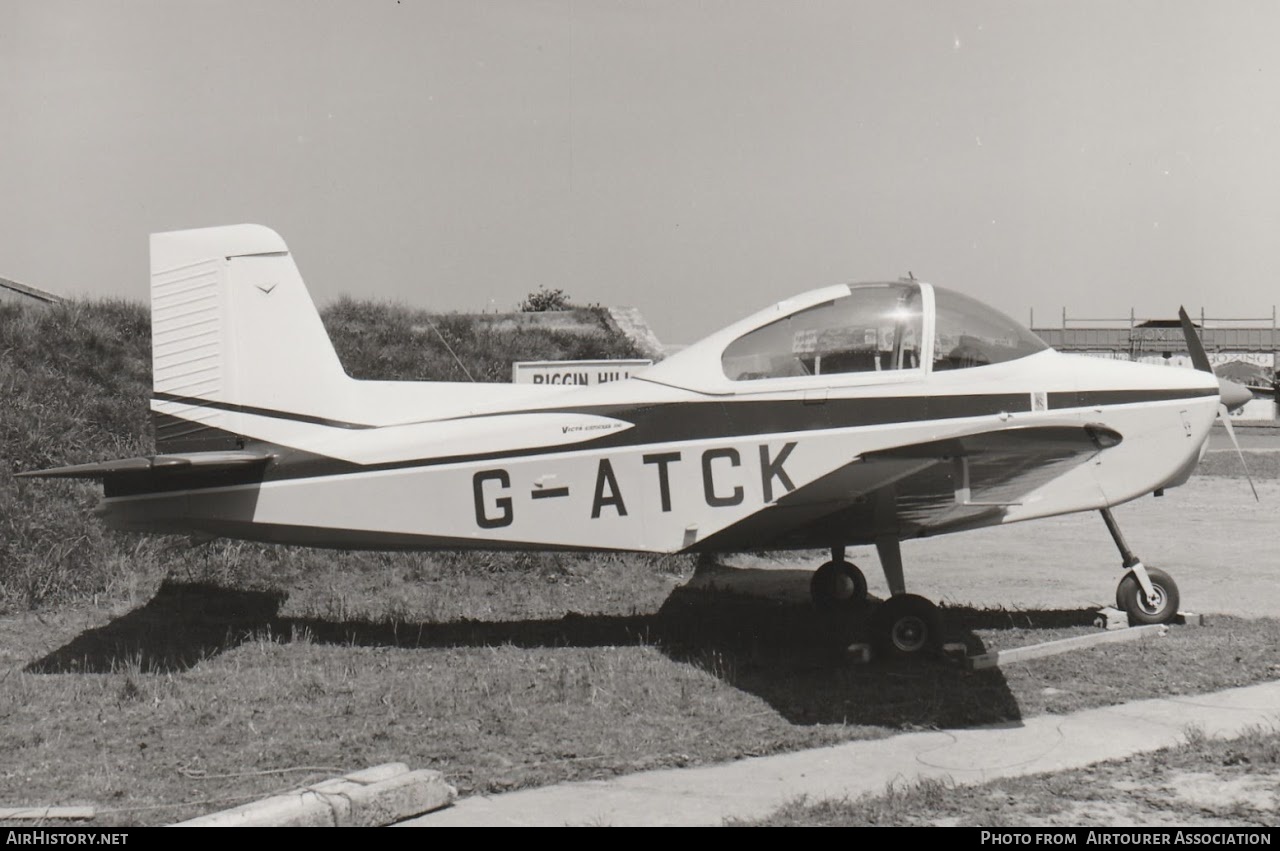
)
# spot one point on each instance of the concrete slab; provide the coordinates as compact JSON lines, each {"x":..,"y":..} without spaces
{"x":754,"y":787}
{"x":372,"y":797}
{"x":998,"y":658}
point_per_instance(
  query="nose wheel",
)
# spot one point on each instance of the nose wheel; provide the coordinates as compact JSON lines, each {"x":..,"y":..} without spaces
{"x":1146,"y":594}
{"x":1160,"y":606}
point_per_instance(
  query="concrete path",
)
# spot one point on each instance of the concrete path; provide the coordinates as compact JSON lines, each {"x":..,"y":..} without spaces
{"x":754,"y":787}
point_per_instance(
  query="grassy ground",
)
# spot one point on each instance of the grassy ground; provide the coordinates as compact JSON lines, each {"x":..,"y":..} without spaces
{"x":1260,"y":465}
{"x":1205,"y":782}
{"x":205,"y":696}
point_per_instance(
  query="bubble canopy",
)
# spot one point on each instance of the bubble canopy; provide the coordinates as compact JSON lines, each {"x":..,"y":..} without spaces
{"x":968,"y":333}
{"x":875,"y":330}
{"x":872,"y":329}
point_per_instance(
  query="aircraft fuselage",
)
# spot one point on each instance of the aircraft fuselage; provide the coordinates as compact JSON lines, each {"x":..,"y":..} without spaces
{"x":639,"y":465}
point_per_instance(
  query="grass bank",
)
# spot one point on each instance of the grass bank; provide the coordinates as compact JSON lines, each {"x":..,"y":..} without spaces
{"x":76,"y":382}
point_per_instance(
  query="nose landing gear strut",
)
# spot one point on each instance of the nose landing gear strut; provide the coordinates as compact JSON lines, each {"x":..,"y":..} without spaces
{"x":1147,"y":594}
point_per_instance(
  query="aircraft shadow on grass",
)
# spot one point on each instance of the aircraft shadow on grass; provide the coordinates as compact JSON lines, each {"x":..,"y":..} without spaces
{"x":776,"y":649}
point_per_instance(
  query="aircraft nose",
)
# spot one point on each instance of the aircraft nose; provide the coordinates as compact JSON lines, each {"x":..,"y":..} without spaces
{"x":1233,"y":395}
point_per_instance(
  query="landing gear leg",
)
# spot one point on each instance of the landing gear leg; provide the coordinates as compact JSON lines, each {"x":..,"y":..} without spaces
{"x":838,"y":585}
{"x":905,"y":625}
{"x":1148,"y":595}
{"x":890,"y":553}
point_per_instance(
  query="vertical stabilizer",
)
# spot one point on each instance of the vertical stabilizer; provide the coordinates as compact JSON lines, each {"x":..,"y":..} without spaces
{"x":234,"y":330}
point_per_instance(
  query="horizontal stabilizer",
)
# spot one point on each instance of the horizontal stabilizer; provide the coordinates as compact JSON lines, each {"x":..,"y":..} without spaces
{"x":191,"y":462}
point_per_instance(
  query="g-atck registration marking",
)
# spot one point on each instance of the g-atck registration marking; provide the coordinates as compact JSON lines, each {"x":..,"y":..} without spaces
{"x":723,"y":484}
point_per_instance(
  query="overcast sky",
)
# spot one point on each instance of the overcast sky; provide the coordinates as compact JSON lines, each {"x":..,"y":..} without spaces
{"x":695,"y":159}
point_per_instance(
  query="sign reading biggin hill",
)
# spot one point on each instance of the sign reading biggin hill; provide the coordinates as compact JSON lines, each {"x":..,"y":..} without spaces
{"x":575,"y":372}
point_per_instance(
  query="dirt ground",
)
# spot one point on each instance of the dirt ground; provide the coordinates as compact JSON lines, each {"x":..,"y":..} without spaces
{"x":1217,"y":543}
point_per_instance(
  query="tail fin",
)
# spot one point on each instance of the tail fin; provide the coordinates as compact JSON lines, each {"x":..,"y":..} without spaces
{"x":234,"y":329}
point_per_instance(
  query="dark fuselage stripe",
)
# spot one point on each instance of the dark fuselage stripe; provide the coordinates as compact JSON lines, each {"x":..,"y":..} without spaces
{"x":1093,"y":398}
{"x":720,"y":419}
{"x":260,"y":412}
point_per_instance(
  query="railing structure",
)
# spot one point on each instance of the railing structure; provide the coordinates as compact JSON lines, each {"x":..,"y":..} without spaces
{"x":1139,"y":337}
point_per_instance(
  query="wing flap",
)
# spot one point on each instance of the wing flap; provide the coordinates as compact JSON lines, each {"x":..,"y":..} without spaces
{"x":978,"y":474}
{"x":1030,"y":441}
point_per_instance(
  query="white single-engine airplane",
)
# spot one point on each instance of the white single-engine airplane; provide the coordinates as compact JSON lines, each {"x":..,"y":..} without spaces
{"x":855,"y":414}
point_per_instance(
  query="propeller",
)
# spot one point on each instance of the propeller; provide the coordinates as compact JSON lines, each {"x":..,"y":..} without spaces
{"x":1231,"y":396}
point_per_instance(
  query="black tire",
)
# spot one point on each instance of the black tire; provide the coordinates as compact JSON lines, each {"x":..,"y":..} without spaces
{"x":906,"y":626}
{"x":838,"y":586}
{"x":1119,"y":597}
{"x":1129,"y":596}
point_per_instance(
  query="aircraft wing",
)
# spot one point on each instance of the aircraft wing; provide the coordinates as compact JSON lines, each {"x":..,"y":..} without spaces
{"x":922,"y":488}
{"x":976,"y":474}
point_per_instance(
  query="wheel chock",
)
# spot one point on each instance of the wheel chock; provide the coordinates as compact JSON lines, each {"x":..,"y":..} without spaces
{"x":1111,"y":618}
{"x":858,"y":654}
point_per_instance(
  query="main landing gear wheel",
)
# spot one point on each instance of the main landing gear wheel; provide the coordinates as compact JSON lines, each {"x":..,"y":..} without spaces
{"x":838,"y":586}
{"x":1161,"y":609}
{"x":906,"y":626}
